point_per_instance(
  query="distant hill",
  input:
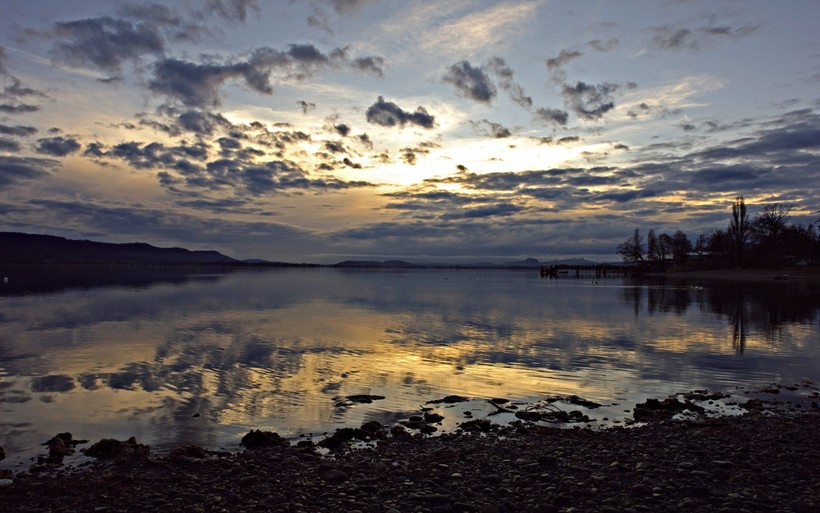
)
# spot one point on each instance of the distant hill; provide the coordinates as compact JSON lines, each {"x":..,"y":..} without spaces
{"x":24,"y":248}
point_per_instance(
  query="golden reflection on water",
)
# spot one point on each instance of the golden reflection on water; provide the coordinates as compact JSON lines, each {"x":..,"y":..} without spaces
{"x":194,"y":363}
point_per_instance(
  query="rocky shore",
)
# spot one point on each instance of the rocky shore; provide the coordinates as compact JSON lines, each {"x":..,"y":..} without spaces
{"x":761,"y":461}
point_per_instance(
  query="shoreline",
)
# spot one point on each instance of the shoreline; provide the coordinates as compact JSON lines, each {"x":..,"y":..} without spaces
{"x":757,"y":462}
{"x":784,"y":276}
{"x":676,"y":458}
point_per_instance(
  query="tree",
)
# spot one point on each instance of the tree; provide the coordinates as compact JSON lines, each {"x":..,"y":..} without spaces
{"x":701,"y":244}
{"x":681,"y":246}
{"x":769,"y":223}
{"x":739,"y":229}
{"x":720,"y":243}
{"x":664,"y":246}
{"x":631,"y":250}
{"x":652,"y":245}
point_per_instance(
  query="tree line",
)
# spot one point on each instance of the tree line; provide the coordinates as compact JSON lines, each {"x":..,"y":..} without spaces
{"x":769,"y":238}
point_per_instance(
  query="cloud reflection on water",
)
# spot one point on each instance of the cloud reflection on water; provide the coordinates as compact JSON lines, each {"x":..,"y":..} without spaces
{"x":196,"y":361}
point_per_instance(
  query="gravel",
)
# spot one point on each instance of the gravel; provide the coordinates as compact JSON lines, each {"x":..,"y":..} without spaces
{"x":758,"y":462}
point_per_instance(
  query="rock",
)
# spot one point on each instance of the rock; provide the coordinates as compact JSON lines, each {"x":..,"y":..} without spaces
{"x":187,"y":454}
{"x":335,"y":476}
{"x":654,"y":410}
{"x":2,"y":453}
{"x":5,"y":482}
{"x":109,"y":449}
{"x":450,"y":399}
{"x":256,"y":439}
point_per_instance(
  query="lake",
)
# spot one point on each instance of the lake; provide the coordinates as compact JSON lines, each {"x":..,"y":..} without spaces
{"x":179,"y":357}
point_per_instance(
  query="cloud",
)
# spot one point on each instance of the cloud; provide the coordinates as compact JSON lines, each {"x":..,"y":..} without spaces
{"x":306,"y":106}
{"x":373,"y":65}
{"x":555,"y":64}
{"x":589,"y":102}
{"x":604,"y":46}
{"x":491,"y":129}
{"x":505,"y":79}
{"x":232,"y":10}
{"x":557,"y":116}
{"x":200,"y":85}
{"x":3,"y":59}
{"x":106,"y":42}
{"x":669,"y":37}
{"x":470,"y":82}
{"x":17,"y":131}
{"x":9,"y":145}
{"x":389,"y":114}
{"x":16,"y":169}
{"x":57,"y":146}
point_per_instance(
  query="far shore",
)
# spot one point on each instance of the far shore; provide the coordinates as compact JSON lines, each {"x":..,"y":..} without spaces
{"x":801,"y":274}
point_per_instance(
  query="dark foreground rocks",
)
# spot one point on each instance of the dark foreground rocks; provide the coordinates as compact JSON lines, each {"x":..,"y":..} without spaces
{"x":754,"y":463}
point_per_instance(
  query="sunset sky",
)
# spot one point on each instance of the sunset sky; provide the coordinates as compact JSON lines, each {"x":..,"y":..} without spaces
{"x":465,"y":130}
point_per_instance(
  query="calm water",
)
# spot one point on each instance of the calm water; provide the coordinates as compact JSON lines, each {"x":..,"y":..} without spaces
{"x":201,"y":358}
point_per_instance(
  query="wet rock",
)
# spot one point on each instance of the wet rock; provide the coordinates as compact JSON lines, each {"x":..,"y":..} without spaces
{"x":357,"y":399}
{"x":433,"y":418}
{"x":2,"y":453}
{"x":342,"y":436}
{"x":187,"y":454}
{"x":450,"y":399}
{"x":256,"y":439}
{"x":110,"y":449}
{"x":654,"y":410}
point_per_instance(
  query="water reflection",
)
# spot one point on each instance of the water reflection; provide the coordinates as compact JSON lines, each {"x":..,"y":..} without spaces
{"x":202,"y":358}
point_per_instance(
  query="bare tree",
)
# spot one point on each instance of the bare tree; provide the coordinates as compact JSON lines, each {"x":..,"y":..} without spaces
{"x":631,"y":250}
{"x":739,"y":228}
{"x":652,"y":245}
{"x":681,"y":246}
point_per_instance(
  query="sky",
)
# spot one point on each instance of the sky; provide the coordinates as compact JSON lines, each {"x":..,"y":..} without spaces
{"x":467,"y":130}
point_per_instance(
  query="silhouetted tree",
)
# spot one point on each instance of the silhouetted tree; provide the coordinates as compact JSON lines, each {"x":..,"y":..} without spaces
{"x":652,"y":245}
{"x":664,"y":245}
{"x":720,"y":243}
{"x":681,"y":246}
{"x":631,"y":250}
{"x":739,"y":229}
{"x":701,"y":244}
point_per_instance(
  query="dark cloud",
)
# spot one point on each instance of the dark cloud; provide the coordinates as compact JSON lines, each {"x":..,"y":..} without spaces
{"x":201,"y":122}
{"x":232,"y":10}
{"x":557,"y":116}
{"x":638,"y":110}
{"x":3,"y":59}
{"x":334,"y":147}
{"x":106,"y":42}
{"x":57,"y":146}
{"x":491,"y":129}
{"x":17,"y":131}
{"x":389,"y":114}
{"x":589,"y":102}
{"x":621,"y":146}
{"x":306,"y":106}
{"x":365,"y":140}
{"x":673,"y":38}
{"x":505,"y":79}
{"x":604,"y":46}
{"x":9,"y":145}
{"x":200,"y":84}
{"x":373,"y":65}
{"x":342,"y":129}
{"x":555,"y":64}
{"x":16,"y":169}
{"x":471,"y":82}
{"x":347,"y":6}
{"x":115,"y":80}
{"x":500,"y":209}
{"x":14,"y":93}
